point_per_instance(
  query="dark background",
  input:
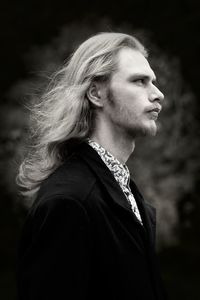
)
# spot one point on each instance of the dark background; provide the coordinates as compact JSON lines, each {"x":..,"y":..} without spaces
{"x":173,"y":26}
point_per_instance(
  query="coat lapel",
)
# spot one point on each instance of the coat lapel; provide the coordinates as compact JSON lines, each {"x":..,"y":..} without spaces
{"x":107,"y":179}
{"x":104,"y":175}
{"x":148,"y":213}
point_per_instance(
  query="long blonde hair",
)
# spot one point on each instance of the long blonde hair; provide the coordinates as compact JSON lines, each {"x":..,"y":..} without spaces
{"x":63,"y":115}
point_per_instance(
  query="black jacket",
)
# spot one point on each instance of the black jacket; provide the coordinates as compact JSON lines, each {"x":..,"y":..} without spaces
{"x":81,"y":239}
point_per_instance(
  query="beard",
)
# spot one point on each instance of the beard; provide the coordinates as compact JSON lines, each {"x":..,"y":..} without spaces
{"x":137,"y":129}
{"x":129,"y":123}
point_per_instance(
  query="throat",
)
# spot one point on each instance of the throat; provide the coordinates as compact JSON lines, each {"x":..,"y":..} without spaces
{"x":117,"y":147}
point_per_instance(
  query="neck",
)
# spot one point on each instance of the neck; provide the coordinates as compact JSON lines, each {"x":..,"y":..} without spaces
{"x":118,"y":145}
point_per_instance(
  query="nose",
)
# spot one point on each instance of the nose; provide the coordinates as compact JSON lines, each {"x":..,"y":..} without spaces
{"x":156,"y":95}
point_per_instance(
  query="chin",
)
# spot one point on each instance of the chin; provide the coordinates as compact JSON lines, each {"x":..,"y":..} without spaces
{"x":150,"y":129}
{"x":142,"y":131}
{"x":149,"y":132}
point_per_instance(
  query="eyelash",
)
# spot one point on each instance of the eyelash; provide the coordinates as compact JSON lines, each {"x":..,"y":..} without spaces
{"x":141,"y":80}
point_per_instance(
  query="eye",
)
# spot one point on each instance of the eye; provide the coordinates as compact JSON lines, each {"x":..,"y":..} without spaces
{"x":139,"y":81}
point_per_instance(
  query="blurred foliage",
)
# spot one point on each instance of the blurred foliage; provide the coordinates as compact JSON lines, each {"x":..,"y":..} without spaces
{"x":166,"y":167}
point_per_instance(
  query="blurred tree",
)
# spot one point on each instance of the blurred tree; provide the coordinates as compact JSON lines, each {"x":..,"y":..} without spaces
{"x":164,"y":167}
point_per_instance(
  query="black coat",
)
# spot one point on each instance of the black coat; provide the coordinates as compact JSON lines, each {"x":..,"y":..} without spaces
{"x":82,"y":241}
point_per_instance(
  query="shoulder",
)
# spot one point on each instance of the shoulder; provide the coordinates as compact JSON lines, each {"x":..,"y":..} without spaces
{"x":72,"y":180}
{"x":50,"y":223}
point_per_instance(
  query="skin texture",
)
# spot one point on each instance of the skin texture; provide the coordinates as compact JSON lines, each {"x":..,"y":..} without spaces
{"x":128,"y":108}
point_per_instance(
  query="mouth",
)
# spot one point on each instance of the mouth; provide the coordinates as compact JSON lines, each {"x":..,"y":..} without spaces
{"x":155,"y":109}
{"x":154,"y":112}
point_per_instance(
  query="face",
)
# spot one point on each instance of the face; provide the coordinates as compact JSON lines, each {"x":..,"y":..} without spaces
{"x":133,"y":101}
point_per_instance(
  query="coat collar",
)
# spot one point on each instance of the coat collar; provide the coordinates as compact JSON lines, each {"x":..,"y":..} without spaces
{"x":119,"y":171}
{"x":104,"y":175}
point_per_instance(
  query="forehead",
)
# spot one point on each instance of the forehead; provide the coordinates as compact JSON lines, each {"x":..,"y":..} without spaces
{"x":130,"y":62}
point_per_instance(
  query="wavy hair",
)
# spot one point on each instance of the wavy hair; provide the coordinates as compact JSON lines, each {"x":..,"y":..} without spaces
{"x":64,"y":116}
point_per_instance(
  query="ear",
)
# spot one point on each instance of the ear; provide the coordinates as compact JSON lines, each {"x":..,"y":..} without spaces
{"x":95,"y":94}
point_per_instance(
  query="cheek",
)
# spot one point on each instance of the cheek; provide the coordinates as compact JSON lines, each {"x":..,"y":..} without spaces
{"x":131,"y":95}
{"x":127,"y":100}
{"x":125,"y":91}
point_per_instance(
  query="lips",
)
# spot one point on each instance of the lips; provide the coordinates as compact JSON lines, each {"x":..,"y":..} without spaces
{"x":155,"y":109}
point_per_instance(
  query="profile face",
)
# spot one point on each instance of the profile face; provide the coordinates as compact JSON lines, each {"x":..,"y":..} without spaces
{"x":133,"y":101}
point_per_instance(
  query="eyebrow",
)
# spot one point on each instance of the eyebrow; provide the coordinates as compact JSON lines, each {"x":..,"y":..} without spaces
{"x":142,"y":75}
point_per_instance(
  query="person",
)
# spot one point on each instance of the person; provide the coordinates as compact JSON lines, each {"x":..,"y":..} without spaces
{"x":89,"y":234}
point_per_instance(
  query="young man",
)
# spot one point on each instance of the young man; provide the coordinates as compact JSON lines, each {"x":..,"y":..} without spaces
{"x":89,"y":234}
